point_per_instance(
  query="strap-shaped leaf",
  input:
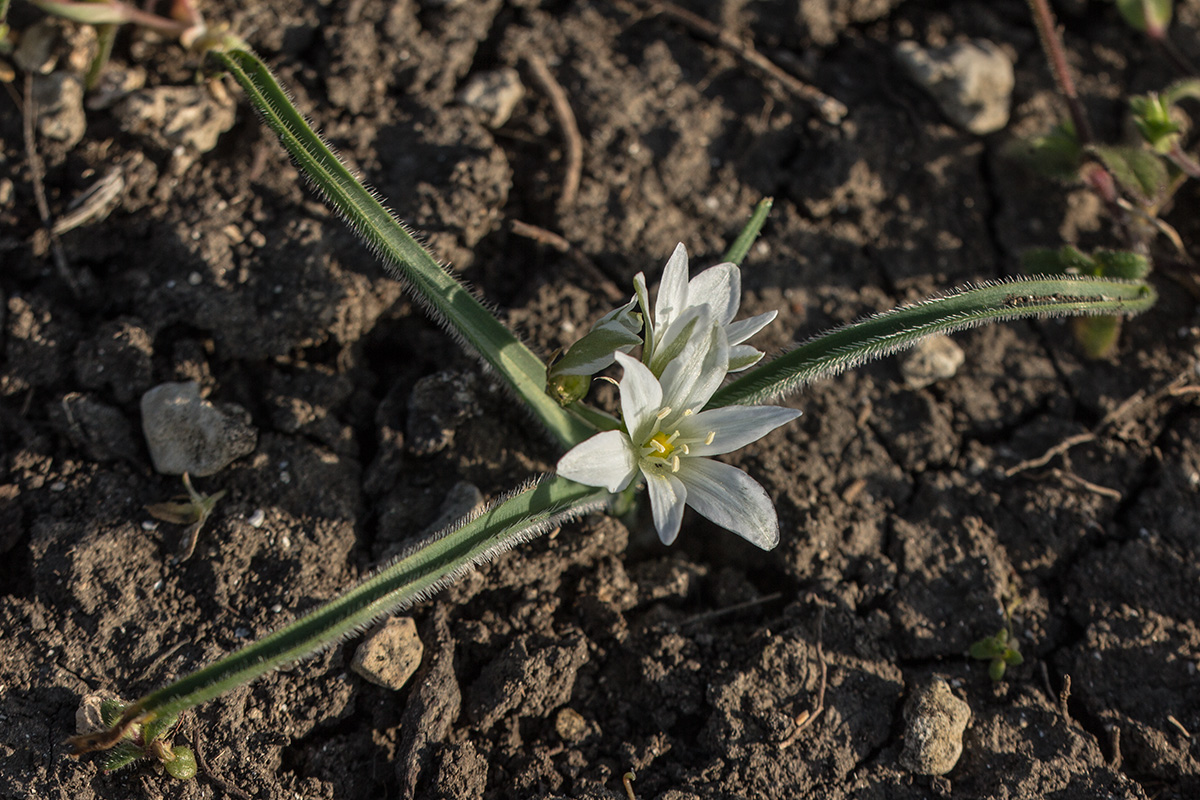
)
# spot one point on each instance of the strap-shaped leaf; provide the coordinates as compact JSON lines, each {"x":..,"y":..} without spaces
{"x":901,"y":328}
{"x":445,"y":298}
{"x":429,"y":565}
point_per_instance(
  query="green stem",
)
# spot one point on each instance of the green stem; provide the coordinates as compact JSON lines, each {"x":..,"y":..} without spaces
{"x":741,"y":245}
{"x":447,"y":300}
{"x":428,"y":567}
{"x":886,"y":333}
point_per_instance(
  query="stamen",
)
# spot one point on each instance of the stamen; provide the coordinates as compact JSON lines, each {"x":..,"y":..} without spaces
{"x":711,"y":435}
{"x":657,"y":445}
{"x":687,"y":412}
{"x":675,"y":464}
{"x":664,"y":413}
{"x":687,"y":451}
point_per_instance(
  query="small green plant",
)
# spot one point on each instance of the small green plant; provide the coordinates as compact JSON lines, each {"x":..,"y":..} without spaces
{"x":676,"y":410}
{"x":1001,"y":650}
{"x":151,"y":741}
{"x":1136,"y":182}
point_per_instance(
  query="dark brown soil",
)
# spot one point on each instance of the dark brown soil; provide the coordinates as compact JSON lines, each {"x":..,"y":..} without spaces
{"x":581,"y":656}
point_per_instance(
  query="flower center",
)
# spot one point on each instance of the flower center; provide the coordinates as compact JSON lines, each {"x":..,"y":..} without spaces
{"x":662,"y":450}
{"x":663,"y":444}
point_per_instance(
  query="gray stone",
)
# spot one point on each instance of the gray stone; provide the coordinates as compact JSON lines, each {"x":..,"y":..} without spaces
{"x":494,"y":94}
{"x":186,"y":433}
{"x":934,"y":359}
{"x":971,"y":82}
{"x":390,"y":655}
{"x":170,"y":116}
{"x":934,"y":721}
{"x":59,"y":100}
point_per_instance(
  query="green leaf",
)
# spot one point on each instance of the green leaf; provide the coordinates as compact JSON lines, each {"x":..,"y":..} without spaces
{"x":1097,"y":336}
{"x":1057,"y":155}
{"x":429,"y":566}
{"x":124,"y":754}
{"x":987,"y":649}
{"x":445,"y":298}
{"x":1135,"y":169}
{"x":742,"y":244}
{"x":182,"y":765}
{"x":1147,"y":16}
{"x":996,"y":669}
{"x":110,"y":711}
{"x":1121,"y":264}
{"x":892,"y":331}
{"x":86,"y":13}
{"x":158,"y":727}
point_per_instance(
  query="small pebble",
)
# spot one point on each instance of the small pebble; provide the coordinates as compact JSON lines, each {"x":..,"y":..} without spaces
{"x":257,"y":519}
{"x":494,"y":94}
{"x":972,"y":82}
{"x":934,"y":721}
{"x":934,"y":359}
{"x":187,"y":433}
{"x":389,"y":656}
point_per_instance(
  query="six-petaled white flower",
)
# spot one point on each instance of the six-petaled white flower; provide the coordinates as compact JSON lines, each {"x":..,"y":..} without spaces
{"x":667,"y":438}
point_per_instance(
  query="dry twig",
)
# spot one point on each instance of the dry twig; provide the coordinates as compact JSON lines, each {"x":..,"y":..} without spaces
{"x":1176,"y":387}
{"x":806,"y":717}
{"x":830,"y":109}
{"x":566,"y":121}
{"x":37,"y":172}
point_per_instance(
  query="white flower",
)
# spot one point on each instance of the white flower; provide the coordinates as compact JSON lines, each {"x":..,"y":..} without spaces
{"x":718,"y":287}
{"x":667,"y":438}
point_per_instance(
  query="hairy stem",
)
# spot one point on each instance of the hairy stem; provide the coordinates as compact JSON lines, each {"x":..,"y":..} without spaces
{"x":1047,"y":30}
{"x":447,"y":300}
{"x":901,"y":328}
{"x":426,"y":568}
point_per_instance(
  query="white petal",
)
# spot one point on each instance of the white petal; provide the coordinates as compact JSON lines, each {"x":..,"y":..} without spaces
{"x":731,"y":499}
{"x":743,"y":356}
{"x":690,"y":380}
{"x":743,"y":329}
{"x":672,"y":290}
{"x":721,"y":288}
{"x":734,"y":427}
{"x":643,"y":297}
{"x":692,"y":325}
{"x":641,"y":397}
{"x":607,"y":459}
{"x":667,"y":499}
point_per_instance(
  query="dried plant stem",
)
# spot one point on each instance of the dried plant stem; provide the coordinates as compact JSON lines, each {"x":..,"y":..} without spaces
{"x":1047,"y":28}
{"x":566,"y":121}
{"x":830,"y":109}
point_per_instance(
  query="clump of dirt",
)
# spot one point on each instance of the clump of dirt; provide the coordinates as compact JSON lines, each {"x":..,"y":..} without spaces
{"x":583,"y":655}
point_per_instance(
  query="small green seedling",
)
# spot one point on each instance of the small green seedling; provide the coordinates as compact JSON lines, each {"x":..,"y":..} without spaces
{"x":1001,"y":650}
{"x":149,"y":741}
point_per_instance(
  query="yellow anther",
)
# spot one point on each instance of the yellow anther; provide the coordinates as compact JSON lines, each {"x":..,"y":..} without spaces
{"x":663,"y":414}
{"x":675,"y":464}
{"x":711,"y":435}
{"x":662,"y":444}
